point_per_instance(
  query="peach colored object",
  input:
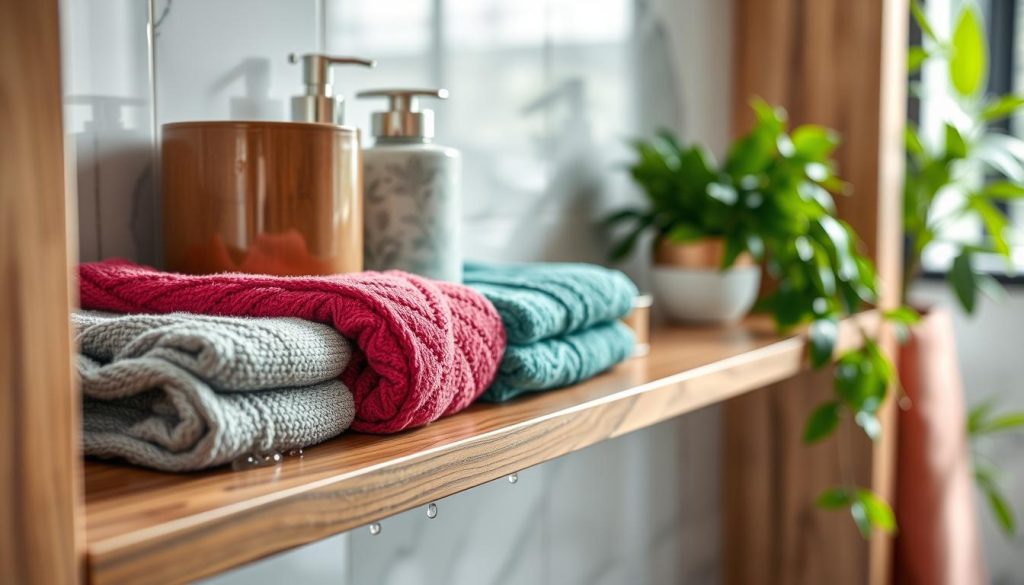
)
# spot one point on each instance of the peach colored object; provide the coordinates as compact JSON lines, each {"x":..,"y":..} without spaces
{"x":278,"y":198}
{"x":704,"y":254}
{"x":939,"y":541}
{"x":639,"y":320}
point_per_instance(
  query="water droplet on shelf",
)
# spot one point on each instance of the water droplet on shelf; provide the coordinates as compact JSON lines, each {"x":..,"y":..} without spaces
{"x":245,"y":462}
{"x":431,"y":510}
{"x":272,"y":458}
{"x":513,"y":477}
{"x":375,"y":529}
{"x":296,"y":453}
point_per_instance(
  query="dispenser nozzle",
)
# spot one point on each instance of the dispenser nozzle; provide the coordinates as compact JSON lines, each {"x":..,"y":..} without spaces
{"x":404,"y":117}
{"x":319,"y":104}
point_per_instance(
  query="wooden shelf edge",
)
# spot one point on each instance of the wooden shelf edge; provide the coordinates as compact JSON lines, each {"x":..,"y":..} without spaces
{"x":148,"y":527}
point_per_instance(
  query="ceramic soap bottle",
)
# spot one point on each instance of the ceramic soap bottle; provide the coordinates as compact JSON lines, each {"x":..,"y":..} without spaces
{"x":412,"y":198}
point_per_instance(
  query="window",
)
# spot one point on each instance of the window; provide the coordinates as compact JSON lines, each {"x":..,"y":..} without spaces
{"x":932,"y":104}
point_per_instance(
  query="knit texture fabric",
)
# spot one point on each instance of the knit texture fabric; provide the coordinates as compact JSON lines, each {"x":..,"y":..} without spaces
{"x":561,"y":321}
{"x":185,"y":392}
{"x":560,"y":361}
{"x":424,"y":349}
{"x":538,"y":301}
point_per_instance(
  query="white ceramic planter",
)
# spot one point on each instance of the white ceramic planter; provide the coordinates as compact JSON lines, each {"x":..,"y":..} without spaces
{"x":706,"y":294}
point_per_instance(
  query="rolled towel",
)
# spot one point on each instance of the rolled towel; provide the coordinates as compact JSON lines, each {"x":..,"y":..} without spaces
{"x":424,"y":349}
{"x":185,"y":392}
{"x":560,"y":361}
{"x":538,"y":301}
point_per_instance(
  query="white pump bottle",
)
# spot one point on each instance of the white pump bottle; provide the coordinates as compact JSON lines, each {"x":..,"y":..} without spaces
{"x":412,"y":199}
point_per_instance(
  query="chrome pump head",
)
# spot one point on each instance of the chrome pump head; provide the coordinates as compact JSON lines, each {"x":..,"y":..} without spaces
{"x":320,"y":104}
{"x":403,"y":118}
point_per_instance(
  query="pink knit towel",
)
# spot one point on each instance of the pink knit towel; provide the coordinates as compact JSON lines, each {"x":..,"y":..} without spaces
{"x":428,"y":349}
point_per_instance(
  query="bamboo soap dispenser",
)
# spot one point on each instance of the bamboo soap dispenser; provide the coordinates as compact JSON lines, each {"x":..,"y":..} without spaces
{"x":412,"y":199}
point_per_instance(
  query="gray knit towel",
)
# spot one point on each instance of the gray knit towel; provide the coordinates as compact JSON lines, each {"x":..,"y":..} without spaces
{"x":183,"y":392}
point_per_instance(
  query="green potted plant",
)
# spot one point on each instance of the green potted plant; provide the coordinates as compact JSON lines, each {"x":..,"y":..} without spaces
{"x":976,"y":164}
{"x":697,"y":276}
{"x":769,"y":202}
{"x":973,"y":162}
{"x":772,"y":199}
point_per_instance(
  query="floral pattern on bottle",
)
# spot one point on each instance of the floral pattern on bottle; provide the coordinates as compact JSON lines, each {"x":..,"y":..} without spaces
{"x":412,"y":214}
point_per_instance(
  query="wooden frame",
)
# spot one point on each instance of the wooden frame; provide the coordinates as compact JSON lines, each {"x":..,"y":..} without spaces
{"x":829,"y":61}
{"x":40,"y":499}
{"x":840,"y":64}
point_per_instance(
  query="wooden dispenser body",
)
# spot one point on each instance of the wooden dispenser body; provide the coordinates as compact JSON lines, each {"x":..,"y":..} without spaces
{"x":281,"y":198}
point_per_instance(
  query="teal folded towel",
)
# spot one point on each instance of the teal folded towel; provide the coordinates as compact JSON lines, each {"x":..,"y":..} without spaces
{"x":538,"y":301}
{"x":560,"y":361}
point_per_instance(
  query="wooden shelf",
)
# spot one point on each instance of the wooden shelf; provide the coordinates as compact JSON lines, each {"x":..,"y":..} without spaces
{"x":149,"y":527}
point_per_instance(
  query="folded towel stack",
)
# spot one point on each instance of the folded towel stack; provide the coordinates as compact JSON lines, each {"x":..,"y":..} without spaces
{"x":561,"y":322}
{"x":183,"y":392}
{"x":423,"y":349}
{"x":204,"y":369}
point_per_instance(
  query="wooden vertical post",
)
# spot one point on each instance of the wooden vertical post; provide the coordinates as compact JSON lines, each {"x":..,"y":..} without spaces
{"x":40,"y":466}
{"x":840,"y":64}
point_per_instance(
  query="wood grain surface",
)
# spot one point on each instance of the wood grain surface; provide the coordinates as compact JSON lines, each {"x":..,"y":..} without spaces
{"x":39,"y":458}
{"x":149,"y":527}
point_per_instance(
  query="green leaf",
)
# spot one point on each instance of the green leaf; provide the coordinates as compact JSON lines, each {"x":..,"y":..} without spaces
{"x":881,"y":363}
{"x":963,"y":279}
{"x":683,"y":233}
{"x":621,"y":216}
{"x":735,"y":245}
{"x":980,"y":422}
{"x":867,"y":509}
{"x":1006,"y":422}
{"x":995,"y":223}
{"x":900,"y":319}
{"x":835,"y":498}
{"x":767,"y":113}
{"x":823,"y":335}
{"x":879,"y":513}
{"x":922,"y":21}
{"x":977,"y":416}
{"x":912,"y":141}
{"x":695,"y":166}
{"x":969,"y":61}
{"x":955,"y":146}
{"x":1003,"y":190}
{"x":789,"y":307}
{"x":916,"y":56}
{"x":1001,"y":509}
{"x":815,"y":143}
{"x":862,"y":381}
{"x":903,"y":314}
{"x":822,"y":423}
{"x":1002,"y":107}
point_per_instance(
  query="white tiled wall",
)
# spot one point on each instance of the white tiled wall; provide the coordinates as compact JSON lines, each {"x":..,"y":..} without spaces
{"x":110,"y":127}
{"x":228,"y":59}
{"x":544,"y":94}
